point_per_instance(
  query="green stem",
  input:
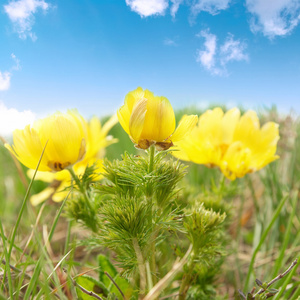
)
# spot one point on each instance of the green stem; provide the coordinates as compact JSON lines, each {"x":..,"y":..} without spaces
{"x":286,"y":236}
{"x":151,"y":158}
{"x":287,"y":281}
{"x":142,"y":267}
{"x":275,"y":216}
{"x":23,"y":205}
{"x":187,"y":279}
{"x":7,"y":266}
{"x":222,"y":183}
{"x":152,"y":245}
{"x":81,"y":187}
{"x":12,"y":241}
{"x":68,"y":237}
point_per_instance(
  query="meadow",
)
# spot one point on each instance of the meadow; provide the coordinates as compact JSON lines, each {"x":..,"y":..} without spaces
{"x":246,"y":231}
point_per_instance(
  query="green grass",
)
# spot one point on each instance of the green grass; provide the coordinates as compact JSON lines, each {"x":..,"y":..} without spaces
{"x":263,"y":227}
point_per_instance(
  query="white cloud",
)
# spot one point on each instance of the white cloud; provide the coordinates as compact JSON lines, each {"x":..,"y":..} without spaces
{"x":21,"y":13}
{"x":274,"y":18}
{"x":211,"y":6}
{"x":4,"y":81}
{"x":175,"y":6}
{"x":11,"y":119}
{"x":232,"y":50}
{"x":17,"y":65}
{"x":214,"y":58}
{"x":207,"y":57}
{"x":146,"y":8}
{"x":5,"y":77}
{"x":169,"y":42}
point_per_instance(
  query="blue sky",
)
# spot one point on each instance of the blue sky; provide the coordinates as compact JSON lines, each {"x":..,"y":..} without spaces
{"x":56,"y":55}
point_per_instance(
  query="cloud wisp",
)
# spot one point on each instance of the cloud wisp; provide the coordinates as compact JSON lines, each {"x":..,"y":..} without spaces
{"x":5,"y":77}
{"x":4,"y":80}
{"x":211,"y":6}
{"x":274,"y":18}
{"x":215,"y":59}
{"x":175,"y":6}
{"x":146,"y":8}
{"x":11,"y":119}
{"x":170,"y":42}
{"x":21,"y":13}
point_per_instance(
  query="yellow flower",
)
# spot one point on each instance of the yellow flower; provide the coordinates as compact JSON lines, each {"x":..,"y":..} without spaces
{"x":59,"y":182}
{"x":65,"y":135}
{"x":150,"y":120}
{"x":237,"y":145}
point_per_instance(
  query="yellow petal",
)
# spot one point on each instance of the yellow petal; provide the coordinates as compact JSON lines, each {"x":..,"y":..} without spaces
{"x":27,"y":147}
{"x":137,"y":120}
{"x":125,"y":111}
{"x":210,"y":126}
{"x":237,"y":161}
{"x":229,"y":122}
{"x":62,"y":192}
{"x":43,"y":176}
{"x":184,"y":128}
{"x":109,"y":124}
{"x":66,"y":140}
{"x":42,"y":196}
{"x":159,"y":120}
{"x":124,"y":117}
{"x":247,"y":128}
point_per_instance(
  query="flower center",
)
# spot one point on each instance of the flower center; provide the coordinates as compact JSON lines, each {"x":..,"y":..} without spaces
{"x":58,"y":166}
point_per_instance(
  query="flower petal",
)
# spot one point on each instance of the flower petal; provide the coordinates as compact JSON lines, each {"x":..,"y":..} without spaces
{"x":160,"y":119}
{"x":123,"y":114}
{"x":184,"y":128}
{"x":42,"y":196}
{"x":28,"y":148}
{"x":66,"y":139}
{"x":137,"y":120}
{"x":125,"y":111}
{"x":228,"y":125}
{"x":43,"y":176}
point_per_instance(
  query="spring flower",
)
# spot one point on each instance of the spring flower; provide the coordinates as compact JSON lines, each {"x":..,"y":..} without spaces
{"x":236,"y":144}
{"x":97,"y":141}
{"x":65,"y":136}
{"x":150,"y":120}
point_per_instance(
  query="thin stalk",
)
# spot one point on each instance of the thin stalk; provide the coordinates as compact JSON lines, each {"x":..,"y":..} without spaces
{"x":81,"y":188}
{"x":115,"y":284}
{"x":7,"y":265}
{"x":142,"y":267}
{"x":278,"y":277}
{"x":151,"y":158}
{"x":7,"y":269}
{"x":152,"y":245}
{"x":187,"y":279}
{"x":57,"y":217}
{"x":167,"y":279}
{"x":275,"y":216}
{"x":287,"y":281}
{"x":68,"y":237}
{"x":149,"y":276}
{"x":23,"y":205}
{"x":286,"y":236}
{"x":296,"y":294}
{"x":222,"y":183}
{"x":38,"y":267}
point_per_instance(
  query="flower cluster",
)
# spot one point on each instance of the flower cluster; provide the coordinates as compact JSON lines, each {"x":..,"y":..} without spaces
{"x":150,"y":120}
{"x":234,"y":143}
{"x":71,"y":142}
